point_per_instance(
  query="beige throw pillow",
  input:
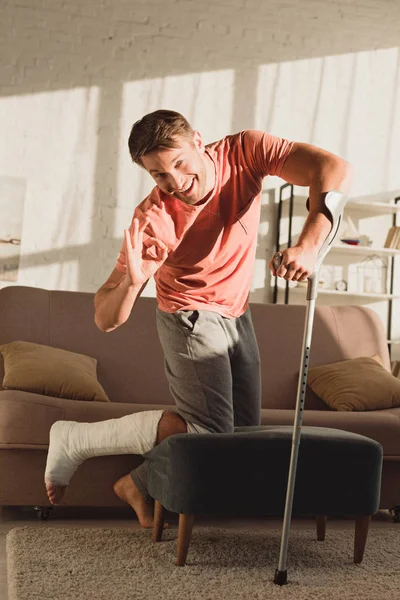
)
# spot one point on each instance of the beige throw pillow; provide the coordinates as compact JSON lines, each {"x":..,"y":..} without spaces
{"x":50,"y":371}
{"x":355,"y":384}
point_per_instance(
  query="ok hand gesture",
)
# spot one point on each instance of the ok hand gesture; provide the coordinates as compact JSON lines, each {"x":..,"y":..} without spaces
{"x":143,"y":259}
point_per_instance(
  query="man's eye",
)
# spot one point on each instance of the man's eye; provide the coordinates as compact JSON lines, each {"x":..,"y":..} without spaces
{"x":159,"y":175}
{"x":179,"y":163}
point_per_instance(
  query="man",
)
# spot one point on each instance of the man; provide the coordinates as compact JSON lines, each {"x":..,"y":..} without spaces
{"x":196,"y":234}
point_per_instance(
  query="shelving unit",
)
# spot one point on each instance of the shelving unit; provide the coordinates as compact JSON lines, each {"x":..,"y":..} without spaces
{"x":360,"y":206}
{"x":364,"y":250}
{"x":301,"y":289}
{"x":357,"y":249}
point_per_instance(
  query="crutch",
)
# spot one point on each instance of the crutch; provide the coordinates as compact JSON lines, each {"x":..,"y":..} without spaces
{"x":334,"y":204}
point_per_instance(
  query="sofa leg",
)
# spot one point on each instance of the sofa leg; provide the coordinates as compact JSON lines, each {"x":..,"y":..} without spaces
{"x":395,"y":513}
{"x":360,"y":538}
{"x":159,"y":518}
{"x":321,"y":527}
{"x":184,"y":535}
{"x":43,"y":512}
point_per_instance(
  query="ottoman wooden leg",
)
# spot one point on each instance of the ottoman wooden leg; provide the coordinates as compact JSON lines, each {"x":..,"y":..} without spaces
{"x":321,"y":528}
{"x":360,"y":538}
{"x":184,"y":535}
{"x":159,"y":518}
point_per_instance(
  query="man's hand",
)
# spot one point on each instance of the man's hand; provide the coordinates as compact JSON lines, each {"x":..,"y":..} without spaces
{"x":297,"y":263}
{"x":143,"y":259}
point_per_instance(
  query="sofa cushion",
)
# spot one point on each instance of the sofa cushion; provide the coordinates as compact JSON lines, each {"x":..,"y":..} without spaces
{"x":50,"y":371}
{"x":355,"y":384}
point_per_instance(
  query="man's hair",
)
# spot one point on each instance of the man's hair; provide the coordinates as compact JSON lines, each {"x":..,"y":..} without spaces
{"x":157,"y":130}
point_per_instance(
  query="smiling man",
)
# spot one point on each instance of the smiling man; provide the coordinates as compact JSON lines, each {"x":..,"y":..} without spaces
{"x":196,"y":234}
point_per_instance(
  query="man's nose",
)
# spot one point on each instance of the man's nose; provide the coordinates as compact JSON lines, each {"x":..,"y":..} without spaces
{"x":176,"y":181}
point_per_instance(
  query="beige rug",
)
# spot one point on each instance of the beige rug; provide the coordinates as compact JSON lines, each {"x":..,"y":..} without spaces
{"x":96,"y":564}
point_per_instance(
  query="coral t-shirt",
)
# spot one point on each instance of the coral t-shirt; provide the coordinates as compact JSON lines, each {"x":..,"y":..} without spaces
{"x":212,"y":245}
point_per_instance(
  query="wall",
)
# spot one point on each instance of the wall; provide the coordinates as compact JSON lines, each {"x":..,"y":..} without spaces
{"x":75,"y":75}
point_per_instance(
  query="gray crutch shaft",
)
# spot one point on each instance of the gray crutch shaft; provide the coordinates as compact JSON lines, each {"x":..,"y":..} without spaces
{"x":301,"y":392}
{"x":334,"y":204}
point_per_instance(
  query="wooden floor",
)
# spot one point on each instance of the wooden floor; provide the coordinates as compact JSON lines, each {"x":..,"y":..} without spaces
{"x":11,"y":517}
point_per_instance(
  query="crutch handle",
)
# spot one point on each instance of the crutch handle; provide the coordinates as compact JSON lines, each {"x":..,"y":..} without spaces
{"x":334,"y":203}
{"x":277,"y":260}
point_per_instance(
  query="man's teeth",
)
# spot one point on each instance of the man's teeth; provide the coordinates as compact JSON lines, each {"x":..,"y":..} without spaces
{"x":188,"y":187}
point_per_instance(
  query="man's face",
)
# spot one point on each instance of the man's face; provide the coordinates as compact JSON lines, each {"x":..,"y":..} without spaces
{"x":181,"y":171}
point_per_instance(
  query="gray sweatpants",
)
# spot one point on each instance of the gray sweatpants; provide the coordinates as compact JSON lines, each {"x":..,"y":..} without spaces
{"x":212,"y":365}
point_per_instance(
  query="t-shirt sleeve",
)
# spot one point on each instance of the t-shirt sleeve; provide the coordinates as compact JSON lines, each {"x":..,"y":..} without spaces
{"x":265,"y":153}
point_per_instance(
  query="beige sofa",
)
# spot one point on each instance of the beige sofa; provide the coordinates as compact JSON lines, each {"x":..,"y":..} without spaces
{"x":130,"y":368}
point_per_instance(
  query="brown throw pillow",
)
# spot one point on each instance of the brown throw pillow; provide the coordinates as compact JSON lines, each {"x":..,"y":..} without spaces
{"x":50,"y":371}
{"x":355,"y":384}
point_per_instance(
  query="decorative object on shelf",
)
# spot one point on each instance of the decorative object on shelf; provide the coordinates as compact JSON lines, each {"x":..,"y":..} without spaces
{"x":12,"y":203}
{"x":322,"y":280}
{"x":365,"y":240}
{"x":350,"y":242}
{"x":350,"y":234}
{"x":393,"y":238}
{"x":341,"y":285}
{"x":362,"y":240}
{"x":328,"y":276}
{"x":371,"y":275}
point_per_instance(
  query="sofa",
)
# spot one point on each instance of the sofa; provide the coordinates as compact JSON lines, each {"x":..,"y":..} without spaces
{"x":130,"y":369}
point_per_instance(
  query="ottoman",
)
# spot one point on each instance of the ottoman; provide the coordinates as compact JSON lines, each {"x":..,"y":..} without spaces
{"x":245,"y":473}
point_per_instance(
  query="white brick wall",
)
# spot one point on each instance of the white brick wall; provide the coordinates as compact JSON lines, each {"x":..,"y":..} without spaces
{"x":75,"y":75}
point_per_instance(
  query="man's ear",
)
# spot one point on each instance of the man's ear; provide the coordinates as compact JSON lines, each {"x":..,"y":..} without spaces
{"x":198,"y":141}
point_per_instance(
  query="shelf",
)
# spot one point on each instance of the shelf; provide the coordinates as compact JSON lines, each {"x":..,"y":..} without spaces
{"x":364,"y":250}
{"x":358,"y":204}
{"x":302,"y":290}
{"x":374,"y":207}
{"x":348,"y":249}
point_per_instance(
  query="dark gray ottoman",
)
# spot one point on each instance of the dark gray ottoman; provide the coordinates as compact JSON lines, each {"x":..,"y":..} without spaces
{"x":245,"y":474}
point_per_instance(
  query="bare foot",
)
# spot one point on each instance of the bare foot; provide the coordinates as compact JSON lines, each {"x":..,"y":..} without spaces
{"x":127,"y":491}
{"x":55,"y":493}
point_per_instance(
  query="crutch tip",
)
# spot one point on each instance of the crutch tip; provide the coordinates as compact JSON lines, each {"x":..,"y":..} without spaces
{"x":280,"y":577}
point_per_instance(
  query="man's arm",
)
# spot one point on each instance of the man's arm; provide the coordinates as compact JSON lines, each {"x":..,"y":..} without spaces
{"x":322,"y":171}
{"x":114,"y":301}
